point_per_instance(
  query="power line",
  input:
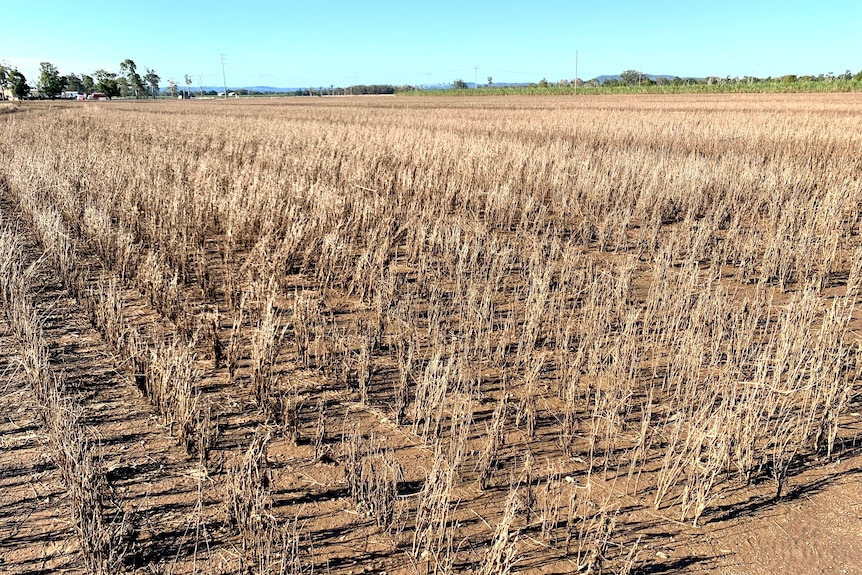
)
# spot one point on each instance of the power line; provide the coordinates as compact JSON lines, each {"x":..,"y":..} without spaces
{"x":223,"y":58}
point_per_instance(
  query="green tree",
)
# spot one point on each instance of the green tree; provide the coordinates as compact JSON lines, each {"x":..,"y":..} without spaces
{"x":134,"y":81}
{"x":73,"y":83}
{"x":50,"y":81}
{"x":188,"y":80}
{"x":460,"y":84}
{"x":152,"y":79}
{"x":172,"y":88}
{"x":123,"y":87}
{"x":4,"y":80}
{"x":632,"y":77}
{"x":88,"y":83}
{"x":106,"y":82}
{"x":18,"y":84}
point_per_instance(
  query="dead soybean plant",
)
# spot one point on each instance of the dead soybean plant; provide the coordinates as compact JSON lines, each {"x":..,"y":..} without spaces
{"x":279,"y":552}
{"x":707,"y":460}
{"x":405,"y":350}
{"x":549,"y":499}
{"x":212,"y":329}
{"x":430,"y":400}
{"x":319,"y":437}
{"x":107,"y":311}
{"x":101,"y":527}
{"x":527,"y":414}
{"x":433,"y":535}
{"x":307,"y":317}
{"x":496,"y":433}
{"x":364,"y":368}
{"x":265,"y":343}
{"x":102,"y":541}
{"x":269,"y":546}
{"x":161,"y":284}
{"x":171,"y":385}
{"x":590,"y":527}
{"x":248,"y":491}
{"x":372,"y":474}
{"x":435,"y":524}
{"x":284,"y":412}
{"x":501,"y":555}
{"x":234,"y":349}
{"x":102,"y":536}
{"x":416,"y":221}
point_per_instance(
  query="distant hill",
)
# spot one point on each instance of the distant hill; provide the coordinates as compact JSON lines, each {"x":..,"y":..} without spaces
{"x":197,"y":89}
{"x":652,"y":77}
{"x":437,"y":86}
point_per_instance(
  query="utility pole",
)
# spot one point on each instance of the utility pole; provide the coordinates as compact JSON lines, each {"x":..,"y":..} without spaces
{"x":224,"y":81}
{"x":576,"y":72}
{"x":475,"y":77}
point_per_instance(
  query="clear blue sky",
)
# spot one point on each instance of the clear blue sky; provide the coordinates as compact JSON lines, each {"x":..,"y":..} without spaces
{"x":299,"y":44}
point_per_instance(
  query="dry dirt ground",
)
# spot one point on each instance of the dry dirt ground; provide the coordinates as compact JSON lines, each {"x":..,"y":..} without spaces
{"x":815,"y":528}
{"x":175,"y":503}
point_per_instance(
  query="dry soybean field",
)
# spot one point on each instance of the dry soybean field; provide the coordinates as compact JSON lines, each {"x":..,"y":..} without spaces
{"x":595,"y":334}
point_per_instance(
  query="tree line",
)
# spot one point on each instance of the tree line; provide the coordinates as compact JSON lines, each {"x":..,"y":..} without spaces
{"x":129,"y":83}
{"x":637,"y":78}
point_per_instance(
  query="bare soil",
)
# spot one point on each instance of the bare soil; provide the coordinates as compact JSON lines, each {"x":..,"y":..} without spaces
{"x":176,"y":502}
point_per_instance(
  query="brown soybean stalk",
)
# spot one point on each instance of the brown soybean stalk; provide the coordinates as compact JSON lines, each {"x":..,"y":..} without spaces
{"x":653,"y":296}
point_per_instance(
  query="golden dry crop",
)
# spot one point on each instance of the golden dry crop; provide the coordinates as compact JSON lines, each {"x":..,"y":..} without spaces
{"x":442,"y":335}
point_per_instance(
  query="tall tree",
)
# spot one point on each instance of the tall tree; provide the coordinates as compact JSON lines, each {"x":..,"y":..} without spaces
{"x":4,"y":80}
{"x":188,"y":86}
{"x":152,"y":79}
{"x":73,"y":83}
{"x":106,"y":82}
{"x":50,"y":81}
{"x":133,"y":79}
{"x":88,"y":83}
{"x":172,"y":87}
{"x":123,"y":87}
{"x":632,"y":77}
{"x":18,"y":84}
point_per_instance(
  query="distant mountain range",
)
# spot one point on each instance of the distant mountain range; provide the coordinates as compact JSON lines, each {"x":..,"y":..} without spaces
{"x":197,"y":89}
{"x":438,"y":86}
{"x":653,"y":77}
